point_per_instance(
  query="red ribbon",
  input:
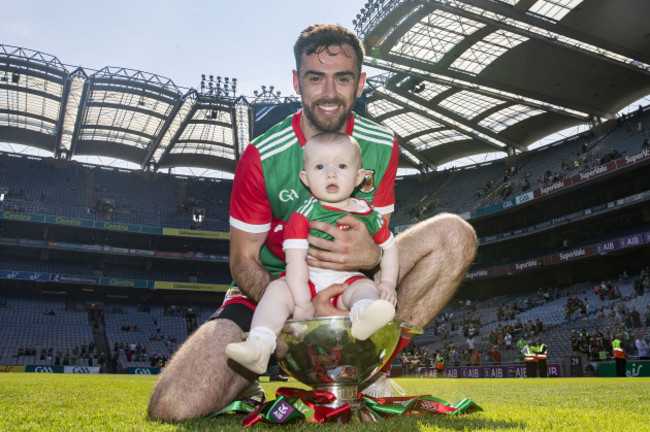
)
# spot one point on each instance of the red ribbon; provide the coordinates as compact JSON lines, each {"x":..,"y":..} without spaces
{"x":291,"y":404}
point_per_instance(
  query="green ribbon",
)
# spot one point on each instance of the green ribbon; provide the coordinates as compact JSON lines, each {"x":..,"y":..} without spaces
{"x":237,"y":406}
{"x":418,"y":405}
{"x":293,"y":405}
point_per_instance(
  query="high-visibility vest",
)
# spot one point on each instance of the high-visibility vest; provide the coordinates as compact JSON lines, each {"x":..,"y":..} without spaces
{"x":529,"y":354}
{"x":541,"y":352}
{"x":618,"y":351}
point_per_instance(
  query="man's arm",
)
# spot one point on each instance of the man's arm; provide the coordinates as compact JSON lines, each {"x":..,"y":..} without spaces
{"x":245,"y":265}
{"x":352,"y":249}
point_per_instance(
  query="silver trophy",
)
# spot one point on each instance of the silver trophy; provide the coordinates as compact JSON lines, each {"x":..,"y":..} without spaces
{"x":323,"y":354}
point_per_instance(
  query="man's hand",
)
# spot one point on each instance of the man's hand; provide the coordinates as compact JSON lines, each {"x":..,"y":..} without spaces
{"x":350,"y":250}
{"x":322,"y":301}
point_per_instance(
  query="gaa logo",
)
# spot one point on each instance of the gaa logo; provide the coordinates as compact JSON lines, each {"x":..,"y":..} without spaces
{"x":80,"y":370}
{"x":43,"y":369}
{"x":142,"y":371}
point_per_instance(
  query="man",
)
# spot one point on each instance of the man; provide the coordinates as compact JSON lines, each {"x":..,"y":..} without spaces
{"x":619,"y":356}
{"x":495,"y":354}
{"x":434,"y":254}
{"x":641,"y":346}
{"x":530,"y":358}
{"x":542,"y":355}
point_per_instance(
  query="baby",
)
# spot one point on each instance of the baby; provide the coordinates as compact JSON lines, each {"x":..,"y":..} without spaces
{"x":332,"y":170}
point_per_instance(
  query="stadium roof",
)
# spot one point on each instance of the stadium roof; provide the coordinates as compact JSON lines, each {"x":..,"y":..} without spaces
{"x":461,"y":78}
{"x":477,"y":76}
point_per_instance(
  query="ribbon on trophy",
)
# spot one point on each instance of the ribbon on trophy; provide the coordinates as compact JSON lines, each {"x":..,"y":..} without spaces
{"x":294,"y":405}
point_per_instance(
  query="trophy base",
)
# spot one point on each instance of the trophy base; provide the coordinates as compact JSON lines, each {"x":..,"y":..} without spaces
{"x":349,"y":394}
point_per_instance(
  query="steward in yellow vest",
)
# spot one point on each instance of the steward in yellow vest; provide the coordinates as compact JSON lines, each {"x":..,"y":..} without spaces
{"x":619,"y":356}
{"x":542,"y":354}
{"x":530,"y":358}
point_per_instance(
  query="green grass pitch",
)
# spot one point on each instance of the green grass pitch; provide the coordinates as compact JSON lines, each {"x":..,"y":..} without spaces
{"x":58,"y":402}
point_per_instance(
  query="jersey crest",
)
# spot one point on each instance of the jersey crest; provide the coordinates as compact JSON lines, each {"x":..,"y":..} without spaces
{"x":368,"y":183}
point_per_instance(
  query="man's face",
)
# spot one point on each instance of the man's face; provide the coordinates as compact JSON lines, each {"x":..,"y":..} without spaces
{"x":328,"y":82}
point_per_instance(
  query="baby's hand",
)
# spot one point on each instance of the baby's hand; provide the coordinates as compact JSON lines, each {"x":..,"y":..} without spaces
{"x":387,"y":292}
{"x":303,"y":311}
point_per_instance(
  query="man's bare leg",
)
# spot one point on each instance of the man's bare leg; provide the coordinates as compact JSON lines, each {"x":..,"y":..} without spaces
{"x":199,"y":379}
{"x":434,"y":257}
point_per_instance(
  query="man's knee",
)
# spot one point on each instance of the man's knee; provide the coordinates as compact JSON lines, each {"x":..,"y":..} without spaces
{"x":458,"y":233}
{"x":444,"y":231}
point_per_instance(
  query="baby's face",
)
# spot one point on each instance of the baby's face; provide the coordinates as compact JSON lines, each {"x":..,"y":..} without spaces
{"x":332,"y":172}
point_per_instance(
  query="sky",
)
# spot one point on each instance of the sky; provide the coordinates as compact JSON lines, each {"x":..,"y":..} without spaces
{"x":250,"y":40}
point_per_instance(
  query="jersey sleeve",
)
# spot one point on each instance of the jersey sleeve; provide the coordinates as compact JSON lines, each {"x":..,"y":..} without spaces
{"x":384,"y":199}
{"x":250,"y":209}
{"x":296,"y":232}
{"x":383,"y":237}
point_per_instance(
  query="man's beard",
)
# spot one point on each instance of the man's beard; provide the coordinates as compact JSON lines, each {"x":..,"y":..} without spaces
{"x":327,"y":123}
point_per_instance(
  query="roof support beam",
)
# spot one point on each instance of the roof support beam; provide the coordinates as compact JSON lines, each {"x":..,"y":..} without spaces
{"x":59,"y":124}
{"x":163,"y":130}
{"x":179,"y":132}
{"x":79,"y":121}
{"x":450,"y":120}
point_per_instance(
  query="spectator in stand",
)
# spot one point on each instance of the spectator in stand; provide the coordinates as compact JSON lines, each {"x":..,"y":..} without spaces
{"x":466,"y":359}
{"x":584,"y":308}
{"x":426,"y":362}
{"x":508,"y":340}
{"x":641,"y":346}
{"x":521,"y":344}
{"x":501,"y":341}
{"x":453,"y":355}
{"x":646,"y":314}
{"x":487,"y":355}
{"x":475,"y":358}
{"x":518,"y":328}
{"x":636,"y":317}
{"x":495,"y":354}
{"x":638,"y":287}
{"x":493,"y":337}
{"x":529,"y":329}
{"x":627,"y":318}
{"x":470,"y":344}
{"x":584,"y":344}
{"x":595,"y":348}
{"x":539,"y":327}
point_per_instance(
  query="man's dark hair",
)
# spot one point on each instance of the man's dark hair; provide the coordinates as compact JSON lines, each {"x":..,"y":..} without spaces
{"x":319,"y":37}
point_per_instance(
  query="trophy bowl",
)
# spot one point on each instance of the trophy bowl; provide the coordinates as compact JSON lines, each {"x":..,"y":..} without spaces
{"x":322,"y":353}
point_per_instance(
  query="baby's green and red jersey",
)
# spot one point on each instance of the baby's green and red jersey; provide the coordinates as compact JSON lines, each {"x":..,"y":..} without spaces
{"x":267,"y":189}
{"x":297,"y":229}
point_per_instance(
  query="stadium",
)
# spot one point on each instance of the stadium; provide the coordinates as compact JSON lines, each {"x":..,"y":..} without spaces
{"x":106,"y":270}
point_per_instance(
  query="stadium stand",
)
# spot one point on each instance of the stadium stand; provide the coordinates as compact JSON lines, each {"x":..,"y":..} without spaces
{"x":108,"y":260}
